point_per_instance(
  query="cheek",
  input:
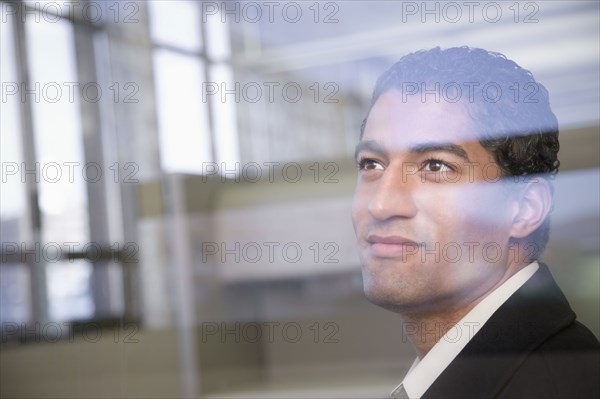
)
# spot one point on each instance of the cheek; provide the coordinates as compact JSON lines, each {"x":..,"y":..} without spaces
{"x":460,"y":212}
{"x":486,"y":206}
{"x":481,"y":203}
{"x":359,"y":206}
{"x":439,"y":207}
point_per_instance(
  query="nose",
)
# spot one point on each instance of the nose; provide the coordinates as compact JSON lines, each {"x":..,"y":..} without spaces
{"x":393,"y":197}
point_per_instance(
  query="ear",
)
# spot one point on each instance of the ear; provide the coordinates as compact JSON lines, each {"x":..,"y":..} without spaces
{"x":533,"y":204}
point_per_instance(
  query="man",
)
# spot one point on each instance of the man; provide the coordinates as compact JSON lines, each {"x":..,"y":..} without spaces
{"x":451,"y":212}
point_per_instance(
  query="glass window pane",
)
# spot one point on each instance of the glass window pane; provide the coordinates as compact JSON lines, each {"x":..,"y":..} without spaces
{"x":224,"y":118}
{"x":183,"y":121}
{"x":15,"y":301}
{"x":12,"y":195}
{"x":54,"y":95}
{"x":217,"y":38}
{"x":69,"y":294}
{"x":176,"y":23}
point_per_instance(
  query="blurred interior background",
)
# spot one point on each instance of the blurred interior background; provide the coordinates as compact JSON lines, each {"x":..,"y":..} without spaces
{"x":177,"y":179}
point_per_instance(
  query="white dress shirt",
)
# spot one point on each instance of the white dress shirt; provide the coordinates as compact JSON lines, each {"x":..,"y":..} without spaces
{"x":423,"y":373}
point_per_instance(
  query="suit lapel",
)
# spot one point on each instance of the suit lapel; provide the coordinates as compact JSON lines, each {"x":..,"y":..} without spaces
{"x":533,"y":313}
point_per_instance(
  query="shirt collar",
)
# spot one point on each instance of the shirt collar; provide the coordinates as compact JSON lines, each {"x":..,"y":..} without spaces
{"x":425,"y":371}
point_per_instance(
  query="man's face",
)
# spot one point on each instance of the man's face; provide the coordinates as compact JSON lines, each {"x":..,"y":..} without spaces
{"x":430,"y":218}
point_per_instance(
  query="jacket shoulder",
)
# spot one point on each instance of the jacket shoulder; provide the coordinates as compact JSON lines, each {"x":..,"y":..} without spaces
{"x":566,"y":365}
{"x":574,"y":337}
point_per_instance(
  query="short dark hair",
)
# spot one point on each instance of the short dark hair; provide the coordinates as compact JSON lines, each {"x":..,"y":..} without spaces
{"x":510,"y":110}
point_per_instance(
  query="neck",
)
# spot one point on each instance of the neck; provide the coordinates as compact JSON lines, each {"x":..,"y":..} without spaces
{"x":424,"y":328}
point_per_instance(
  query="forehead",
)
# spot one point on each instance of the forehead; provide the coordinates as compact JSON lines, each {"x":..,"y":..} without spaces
{"x":399,"y":121}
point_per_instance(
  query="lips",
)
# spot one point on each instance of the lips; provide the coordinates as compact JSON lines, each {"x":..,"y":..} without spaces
{"x":391,"y":246}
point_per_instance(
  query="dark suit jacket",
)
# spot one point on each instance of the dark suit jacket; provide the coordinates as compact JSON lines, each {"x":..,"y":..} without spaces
{"x":531,"y":347}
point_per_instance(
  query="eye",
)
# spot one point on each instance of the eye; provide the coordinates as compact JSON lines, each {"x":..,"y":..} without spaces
{"x":369,"y":164}
{"x":435,"y":165}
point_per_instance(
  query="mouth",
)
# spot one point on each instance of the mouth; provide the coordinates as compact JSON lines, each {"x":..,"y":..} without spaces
{"x":392,"y":246}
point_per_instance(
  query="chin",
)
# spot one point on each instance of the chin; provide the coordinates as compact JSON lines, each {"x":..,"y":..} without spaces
{"x":383,"y":295}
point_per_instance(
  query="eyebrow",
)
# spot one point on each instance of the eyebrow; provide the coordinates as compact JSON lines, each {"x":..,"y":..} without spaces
{"x":421,"y":148}
{"x":442,"y":147}
{"x":371,"y":146}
